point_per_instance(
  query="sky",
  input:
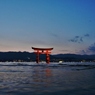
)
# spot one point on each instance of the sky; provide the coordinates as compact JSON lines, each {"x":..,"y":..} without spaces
{"x":66,"y":25}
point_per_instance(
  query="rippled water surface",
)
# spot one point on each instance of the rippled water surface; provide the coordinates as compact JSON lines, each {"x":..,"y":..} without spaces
{"x":58,"y":79}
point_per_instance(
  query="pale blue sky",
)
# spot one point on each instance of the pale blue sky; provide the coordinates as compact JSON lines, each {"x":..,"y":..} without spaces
{"x":66,"y":25}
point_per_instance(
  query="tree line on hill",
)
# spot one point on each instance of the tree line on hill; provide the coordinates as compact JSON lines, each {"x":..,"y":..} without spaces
{"x":28,"y":57}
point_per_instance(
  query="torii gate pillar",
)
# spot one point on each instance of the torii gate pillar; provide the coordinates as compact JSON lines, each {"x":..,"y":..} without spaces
{"x":39,"y":51}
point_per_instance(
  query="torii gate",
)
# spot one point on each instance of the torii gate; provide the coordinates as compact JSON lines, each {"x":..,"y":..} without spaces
{"x":46,"y":51}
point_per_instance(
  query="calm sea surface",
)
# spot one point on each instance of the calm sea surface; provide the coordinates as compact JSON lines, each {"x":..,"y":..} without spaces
{"x":53,"y":79}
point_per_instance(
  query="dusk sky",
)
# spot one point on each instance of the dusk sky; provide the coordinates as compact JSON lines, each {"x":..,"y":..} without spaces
{"x":66,"y":25}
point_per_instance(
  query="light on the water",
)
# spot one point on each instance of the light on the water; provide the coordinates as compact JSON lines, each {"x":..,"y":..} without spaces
{"x":60,"y":61}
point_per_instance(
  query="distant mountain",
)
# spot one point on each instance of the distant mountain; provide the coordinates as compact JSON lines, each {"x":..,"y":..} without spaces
{"x":26,"y":56}
{"x":16,"y":56}
{"x":75,"y":57}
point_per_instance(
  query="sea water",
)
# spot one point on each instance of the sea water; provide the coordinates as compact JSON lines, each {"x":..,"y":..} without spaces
{"x":29,"y":78}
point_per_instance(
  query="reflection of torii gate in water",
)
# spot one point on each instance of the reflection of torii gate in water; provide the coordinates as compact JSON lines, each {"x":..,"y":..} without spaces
{"x":46,"y":51}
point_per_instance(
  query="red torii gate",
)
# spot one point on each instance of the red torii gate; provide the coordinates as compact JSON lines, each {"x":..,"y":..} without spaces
{"x":46,"y":51}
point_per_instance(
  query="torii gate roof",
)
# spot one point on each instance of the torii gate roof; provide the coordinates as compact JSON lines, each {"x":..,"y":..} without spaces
{"x":42,"y":48}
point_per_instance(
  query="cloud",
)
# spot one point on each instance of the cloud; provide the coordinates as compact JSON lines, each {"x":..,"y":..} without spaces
{"x":82,"y":52}
{"x":86,"y":35}
{"x":79,"y":39}
{"x":89,"y":50}
{"x":54,"y":35}
{"x":63,"y":50}
{"x":92,"y":48}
